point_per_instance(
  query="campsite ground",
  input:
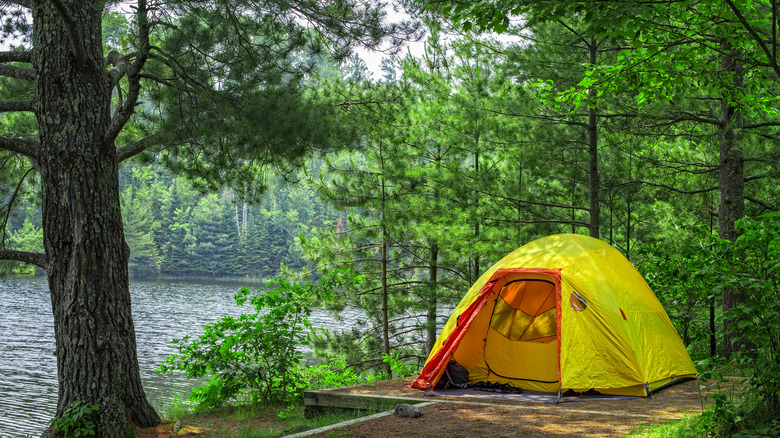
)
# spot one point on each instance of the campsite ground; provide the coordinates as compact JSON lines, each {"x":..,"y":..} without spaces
{"x":464,"y":420}
{"x":464,"y":417}
{"x":602,"y":418}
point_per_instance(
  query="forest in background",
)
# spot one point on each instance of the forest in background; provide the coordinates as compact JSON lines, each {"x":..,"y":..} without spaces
{"x":175,"y":230}
{"x":465,"y":153}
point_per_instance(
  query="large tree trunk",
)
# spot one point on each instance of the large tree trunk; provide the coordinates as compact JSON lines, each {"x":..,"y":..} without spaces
{"x":731,"y":178}
{"x":82,"y":224}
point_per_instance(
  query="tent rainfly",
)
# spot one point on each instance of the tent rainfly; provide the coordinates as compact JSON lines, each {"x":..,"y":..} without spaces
{"x":563,"y":312}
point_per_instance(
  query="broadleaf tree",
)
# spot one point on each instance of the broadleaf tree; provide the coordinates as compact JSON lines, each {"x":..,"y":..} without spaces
{"x":216,"y":89}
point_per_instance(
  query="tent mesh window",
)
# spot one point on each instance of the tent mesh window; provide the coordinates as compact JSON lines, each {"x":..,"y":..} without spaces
{"x":525,"y":311}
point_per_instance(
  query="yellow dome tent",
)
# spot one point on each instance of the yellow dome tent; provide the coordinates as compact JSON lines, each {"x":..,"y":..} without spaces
{"x":563,"y":312}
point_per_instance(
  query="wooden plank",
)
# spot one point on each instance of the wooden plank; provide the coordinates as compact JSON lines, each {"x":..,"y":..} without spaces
{"x":353,"y":401}
{"x":320,"y":401}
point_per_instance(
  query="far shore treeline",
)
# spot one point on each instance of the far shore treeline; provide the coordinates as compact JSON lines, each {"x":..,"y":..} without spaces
{"x":174,"y":230}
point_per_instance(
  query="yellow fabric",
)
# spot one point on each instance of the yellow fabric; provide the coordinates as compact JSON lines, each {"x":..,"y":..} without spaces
{"x":599,"y":348}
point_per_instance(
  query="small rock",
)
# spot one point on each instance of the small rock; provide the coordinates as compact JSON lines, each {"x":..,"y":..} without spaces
{"x":176,"y":426}
{"x":406,"y":410}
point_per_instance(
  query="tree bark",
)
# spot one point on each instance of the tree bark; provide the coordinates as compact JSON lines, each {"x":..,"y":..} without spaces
{"x":593,"y":153}
{"x":385,"y":292}
{"x":433,"y":269}
{"x":83,"y":236}
{"x":477,"y":271}
{"x":731,"y":178}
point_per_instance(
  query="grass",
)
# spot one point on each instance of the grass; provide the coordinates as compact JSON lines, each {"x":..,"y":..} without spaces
{"x":251,"y":421}
{"x":176,"y":409}
{"x":688,"y":427}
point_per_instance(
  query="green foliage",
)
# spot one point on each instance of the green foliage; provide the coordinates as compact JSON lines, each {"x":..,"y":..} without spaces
{"x":138,"y":201}
{"x":176,"y":408}
{"x":250,"y":420}
{"x":689,"y":427}
{"x":337,"y":373}
{"x":78,"y":420}
{"x":748,"y":406}
{"x":257,"y":355}
{"x":683,"y":275}
{"x":174,"y":230}
{"x":27,"y":238}
{"x":400,"y":367}
{"x":752,"y":264}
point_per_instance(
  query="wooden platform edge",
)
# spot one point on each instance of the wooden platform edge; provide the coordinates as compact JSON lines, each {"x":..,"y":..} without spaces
{"x":319,"y":401}
{"x":347,"y":423}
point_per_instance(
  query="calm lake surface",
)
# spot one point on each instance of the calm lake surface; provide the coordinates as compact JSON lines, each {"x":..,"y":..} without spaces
{"x":162,"y":311}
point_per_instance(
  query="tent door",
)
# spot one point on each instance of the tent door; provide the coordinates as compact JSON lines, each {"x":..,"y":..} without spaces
{"x":521,"y":344}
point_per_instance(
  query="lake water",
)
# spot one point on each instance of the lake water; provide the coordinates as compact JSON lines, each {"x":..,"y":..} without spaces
{"x":162,"y":310}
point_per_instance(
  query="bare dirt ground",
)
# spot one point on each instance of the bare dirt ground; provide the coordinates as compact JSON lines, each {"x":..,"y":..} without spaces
{"x":678,"y":400}
{"x":465,"y":417}
{"x":596,"y":418}
{"x":464,"y":420}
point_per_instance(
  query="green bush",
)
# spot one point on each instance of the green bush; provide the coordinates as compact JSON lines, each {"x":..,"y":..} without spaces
{"x":337,"y":373}
{"x":256,"y":356}
{"x":751,"y":265}
{"x":78,"y":420}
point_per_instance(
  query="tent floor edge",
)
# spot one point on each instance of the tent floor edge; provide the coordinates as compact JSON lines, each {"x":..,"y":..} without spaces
{"x":675,"y":381}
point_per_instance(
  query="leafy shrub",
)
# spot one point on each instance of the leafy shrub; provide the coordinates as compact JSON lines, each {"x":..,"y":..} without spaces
{"x":751,"y":265}
{"x":683,"y":274}
{"x":77,"y":420}
{"x":754,"y":264}
{"x":399,"y":367}
{"x":256,"y":355}
{"x":337,"y":373}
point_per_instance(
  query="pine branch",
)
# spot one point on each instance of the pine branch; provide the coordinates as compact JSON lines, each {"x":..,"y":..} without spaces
{"x":760,"y":203}
{"x":23,"y":3}
{"x":133,"y":149}
{"x":16,"y":56}
{"x":73,"y":32}
{"x":133,"y":73}
{"x":524,"y":201}
{"x":674,"y":189}
{"x":757,"y":38}
{"x":26,"y":74}
{"x":8,"y":207}
{"x":761,"y":125}
{"x":544,"y":221}
{"x":32,"y":258}
{"x":16,"y":106}
{"x":158,"y":80}
{"x":28,"y":148}
{"x":758,"y":176}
